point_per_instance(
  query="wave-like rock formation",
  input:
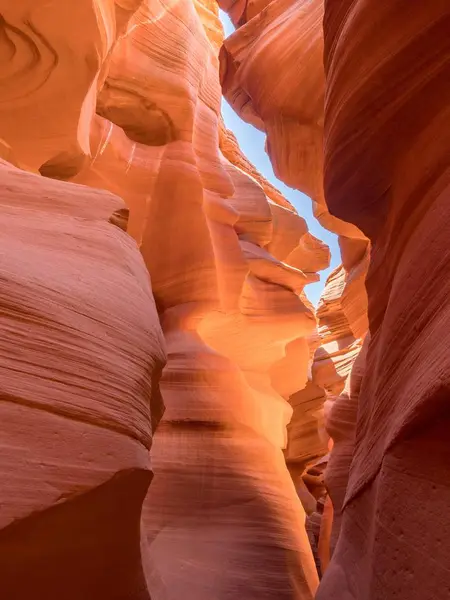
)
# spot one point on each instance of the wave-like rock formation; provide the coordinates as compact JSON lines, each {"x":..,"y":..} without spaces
{"x":123,"y":100}
{"x":393,"y":541}
{"x":286,"y":38}
{"x":135,"y":233}
{"x":80,"y":351}
{"x":272,"y":74}
{"x":386,"y":173}
{"x":386,"y":178}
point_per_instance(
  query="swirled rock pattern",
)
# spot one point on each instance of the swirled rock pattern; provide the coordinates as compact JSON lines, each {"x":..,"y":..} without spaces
{"x":272,"y":74}
{"x":52,"y":61}
{"x":393,"y":541}
{"x":124,"y":98}
{"x":386,"y":180}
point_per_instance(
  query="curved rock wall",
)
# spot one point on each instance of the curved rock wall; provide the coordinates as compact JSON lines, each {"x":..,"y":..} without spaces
{"x":272,"y":74}
{"x":386,"y":180}
{"x":255,"y":76}
{"x":393,"y":534}
{"x":81,"y":348}
{"x":106,"y":100}
{"x":125,"y":97}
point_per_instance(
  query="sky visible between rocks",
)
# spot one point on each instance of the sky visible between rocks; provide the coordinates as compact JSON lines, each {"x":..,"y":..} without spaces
{"x":252,"y":143}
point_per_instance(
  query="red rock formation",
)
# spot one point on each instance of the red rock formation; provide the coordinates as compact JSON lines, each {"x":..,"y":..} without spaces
{"x":291,"y":114}
{"x":272,"y":74}
{"x":341,"y":425}
{"x":228,"y":259}
{"x":53,"y":62}
{"x":393,"y":540}
{"x":81,"y":350}
{"x":386,"y":174}
{"x":124,"y":96}
{"x":228,"y":309}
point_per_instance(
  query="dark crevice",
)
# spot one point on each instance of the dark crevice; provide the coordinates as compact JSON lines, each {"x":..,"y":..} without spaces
{"x":87,"y":548}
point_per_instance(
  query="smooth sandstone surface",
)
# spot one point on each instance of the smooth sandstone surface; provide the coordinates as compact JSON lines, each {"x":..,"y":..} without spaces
{"x":132,"y":106}
{"x":229,"y":307}
{"x":272,"y":74}
{"x":393,"y":518}
{"x":287,"y":101}
{"x":385,"y":175}
{"x":81,"y":348}
{"x":110,"y":121}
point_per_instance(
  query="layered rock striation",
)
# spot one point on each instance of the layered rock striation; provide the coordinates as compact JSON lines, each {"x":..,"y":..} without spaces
{"x":272,"y":74}
{"x":393,"y":508}
{"x":81,"y":350}
{"x":114,"y":100}
{"x":136,"y":232}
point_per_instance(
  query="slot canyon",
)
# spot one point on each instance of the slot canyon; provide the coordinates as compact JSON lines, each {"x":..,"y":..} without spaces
{"x":179,"y":421}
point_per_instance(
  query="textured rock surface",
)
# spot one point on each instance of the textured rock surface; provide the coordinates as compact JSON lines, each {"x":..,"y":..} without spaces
{"x":53,"y":59}
{"x":282,"y":92}
{"x":80,"y":345}
{"x":228,"y":307}
{"x":272,"y":74}
{"x":122,"y":100}
{"x":394,"y":510}
{"x":125,"y":97}
{"x":341,"y":425}
{"x":386,"y":175}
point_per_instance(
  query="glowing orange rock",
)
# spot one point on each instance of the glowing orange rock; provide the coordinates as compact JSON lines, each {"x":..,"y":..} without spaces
{"x":272,"y":74}
{"x":287,"y":102}
{"x":228,"y":308}
{"x":292,"y":115}
{"x":132,"y":106}
{"x":54,"y":56}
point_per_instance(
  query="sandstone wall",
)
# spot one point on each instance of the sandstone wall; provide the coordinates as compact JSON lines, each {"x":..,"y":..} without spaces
{"x":81,"y":350}
{"x":110,"y":121}
{"x":125,"y":97}
{"x":386,"y":180}
{"x":272,"y":74}
{"x":390,"y":96}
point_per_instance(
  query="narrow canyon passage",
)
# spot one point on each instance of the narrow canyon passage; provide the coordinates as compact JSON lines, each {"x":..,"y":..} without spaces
{"x":179,"y":420}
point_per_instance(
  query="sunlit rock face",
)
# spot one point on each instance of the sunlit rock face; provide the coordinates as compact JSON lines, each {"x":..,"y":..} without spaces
{"x":257,"y":65}
{"x":120,"y":102}
{"x":272,"y":74}
{"x":229,"y":306}
{"x":282,"y":92}
{"x":393,"y":517}
{"x":53,"y":62}
{"x":386,"y":185}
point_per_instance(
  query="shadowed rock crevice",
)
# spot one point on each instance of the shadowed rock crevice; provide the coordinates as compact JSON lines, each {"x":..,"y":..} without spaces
{"x":120,"y":218}
{"x":85,"y":548}
{"x":64,"y":166}
{"x":157,"y":406}
{"x":142,"y":120}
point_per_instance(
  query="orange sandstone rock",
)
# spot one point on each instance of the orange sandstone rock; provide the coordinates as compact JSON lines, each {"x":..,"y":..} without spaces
{"x":228,"y":308}
{"x":393,"y":518}
{"x":52,"y":58}
{"x":272,"y":74}
{"x":81,"y":352}
{"x":131,"y":104}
